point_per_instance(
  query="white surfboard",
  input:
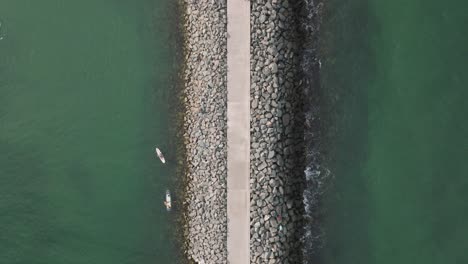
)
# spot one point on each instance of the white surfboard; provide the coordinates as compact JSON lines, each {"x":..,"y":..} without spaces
{"x":160,"y":155}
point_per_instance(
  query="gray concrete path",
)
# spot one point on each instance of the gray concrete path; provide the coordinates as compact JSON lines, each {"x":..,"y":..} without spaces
{"x":238,"y":131}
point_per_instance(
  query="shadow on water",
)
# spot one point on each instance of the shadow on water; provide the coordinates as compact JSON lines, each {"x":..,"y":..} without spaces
{"x":82,"y":181}
{"x":164,"y":28}
{"x":172,"y":97}
{"x":177,"y":115}
{"x":347,"y":67}
{"x":24,"y":223}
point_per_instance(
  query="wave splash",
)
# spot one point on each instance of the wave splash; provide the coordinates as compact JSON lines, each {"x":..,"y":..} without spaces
{"x":316,"y":176}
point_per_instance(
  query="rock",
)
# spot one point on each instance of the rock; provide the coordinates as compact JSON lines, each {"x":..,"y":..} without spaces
{"x":272,"y":183}
{"x":256,"y":225}
{"x":265,"y":210}
{"x":271,"y":154}
{"x":279,"y":160}
{"x":262,"y":18}
{"x":254,"y":104}
{"x":269,"y":89}
{"x":259,"y":251}
{"x":274,"y":67}
{"x":259,"y":203}
{"x":286,"y":119}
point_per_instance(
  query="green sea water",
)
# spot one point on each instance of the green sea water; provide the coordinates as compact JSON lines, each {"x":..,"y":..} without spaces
{"x":85,"y":92}
{"x":395,"y":97}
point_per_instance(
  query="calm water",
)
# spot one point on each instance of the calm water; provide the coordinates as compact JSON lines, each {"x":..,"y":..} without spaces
{"x":396,"y":94}
{"x":84,"y":96}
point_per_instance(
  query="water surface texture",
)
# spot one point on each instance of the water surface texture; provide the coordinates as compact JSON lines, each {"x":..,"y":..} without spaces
{"x":395,"y":84}
{"x":84,"y":92}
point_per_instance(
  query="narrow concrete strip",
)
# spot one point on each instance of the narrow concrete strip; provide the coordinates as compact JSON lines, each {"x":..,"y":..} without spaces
{"x":238,"y":131}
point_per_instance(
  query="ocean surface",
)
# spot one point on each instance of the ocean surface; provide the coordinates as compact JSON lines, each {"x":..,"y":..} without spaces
{"x":394,"y":104}
{"x":85,"y":92}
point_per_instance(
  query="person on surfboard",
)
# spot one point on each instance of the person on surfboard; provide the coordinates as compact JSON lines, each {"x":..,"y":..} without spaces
{"x":168,"y":202}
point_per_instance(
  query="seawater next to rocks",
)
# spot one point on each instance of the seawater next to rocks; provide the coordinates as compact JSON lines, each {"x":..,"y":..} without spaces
{"x":394,"y":90}
{"x":384,"y":129}
{"x":84,"y":98}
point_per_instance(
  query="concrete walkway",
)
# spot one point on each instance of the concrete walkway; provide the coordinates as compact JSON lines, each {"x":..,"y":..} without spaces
{"x":238,"y":131}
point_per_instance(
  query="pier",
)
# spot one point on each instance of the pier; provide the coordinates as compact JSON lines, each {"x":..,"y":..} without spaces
{"x":238,"y":131}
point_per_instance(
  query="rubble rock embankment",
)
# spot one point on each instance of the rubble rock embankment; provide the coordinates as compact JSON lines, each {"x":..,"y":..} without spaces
{"x":205,"y":95}
{"x":277,"y":179}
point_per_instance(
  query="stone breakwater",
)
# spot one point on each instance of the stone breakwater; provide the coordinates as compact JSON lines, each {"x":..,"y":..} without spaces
{"x":205,"y":125}
{"x":278,"y":122}
{"x":277,"y":134}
